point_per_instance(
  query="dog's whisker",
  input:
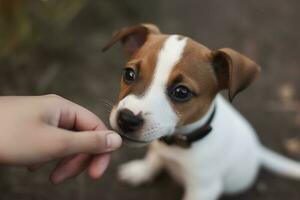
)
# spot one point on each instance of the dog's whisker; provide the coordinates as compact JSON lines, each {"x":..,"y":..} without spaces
{"x":107,"y":109}
{"x":108,"y":106}
{"x":107,"y":101}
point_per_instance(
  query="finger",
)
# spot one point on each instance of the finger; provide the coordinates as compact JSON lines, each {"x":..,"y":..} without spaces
{"x":69,"y":168}
{"x":76,"y":117}
{"x":98,"y":165}
{"x":62,"y":143}
{"x":92,"y":142}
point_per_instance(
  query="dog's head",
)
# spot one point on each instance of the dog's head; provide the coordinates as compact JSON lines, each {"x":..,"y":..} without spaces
{"x":170,"y":81}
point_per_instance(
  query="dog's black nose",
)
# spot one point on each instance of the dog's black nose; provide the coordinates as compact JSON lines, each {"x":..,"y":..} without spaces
{"x":128,"y":121}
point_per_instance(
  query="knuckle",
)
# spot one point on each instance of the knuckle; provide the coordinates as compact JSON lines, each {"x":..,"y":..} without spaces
{"x":53,"y":97}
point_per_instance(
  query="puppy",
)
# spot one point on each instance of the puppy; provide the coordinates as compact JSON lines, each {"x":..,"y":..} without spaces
{"x":169,"y":98}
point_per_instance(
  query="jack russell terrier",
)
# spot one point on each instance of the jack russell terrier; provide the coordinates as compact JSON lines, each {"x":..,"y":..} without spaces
{"x":169,"y":98}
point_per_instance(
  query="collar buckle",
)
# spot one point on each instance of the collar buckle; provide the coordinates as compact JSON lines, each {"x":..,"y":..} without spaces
{"x":182,"y":141}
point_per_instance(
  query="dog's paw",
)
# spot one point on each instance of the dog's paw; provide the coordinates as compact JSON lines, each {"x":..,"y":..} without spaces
{"x":135,"y":173}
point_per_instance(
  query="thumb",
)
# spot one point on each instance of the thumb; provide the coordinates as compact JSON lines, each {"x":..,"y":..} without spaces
{"x":93,"y":142}
{"x":89,"y":142}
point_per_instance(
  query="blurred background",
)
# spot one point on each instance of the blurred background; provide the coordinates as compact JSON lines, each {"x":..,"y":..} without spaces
{"x":54,"y":46}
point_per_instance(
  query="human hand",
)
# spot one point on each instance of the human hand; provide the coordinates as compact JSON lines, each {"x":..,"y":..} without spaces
{"x":37,"y":130}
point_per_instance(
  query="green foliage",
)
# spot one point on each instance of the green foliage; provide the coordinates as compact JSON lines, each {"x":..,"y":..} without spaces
{"x":24,"y":23}
{"x":40,"y":39}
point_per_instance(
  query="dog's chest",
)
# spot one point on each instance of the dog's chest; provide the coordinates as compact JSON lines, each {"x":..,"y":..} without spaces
{"x":175,"y":169}
{"x":175,"y":160}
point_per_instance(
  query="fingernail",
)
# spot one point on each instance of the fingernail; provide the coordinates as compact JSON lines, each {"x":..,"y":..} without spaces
{"x":113,"y":141}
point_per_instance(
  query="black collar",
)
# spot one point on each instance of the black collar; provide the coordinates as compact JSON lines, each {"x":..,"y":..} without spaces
{"x":185,"y":141}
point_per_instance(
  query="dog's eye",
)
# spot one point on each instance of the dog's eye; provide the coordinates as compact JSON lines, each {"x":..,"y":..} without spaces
{"x":129,"y":75}
{"x":180,"y":93}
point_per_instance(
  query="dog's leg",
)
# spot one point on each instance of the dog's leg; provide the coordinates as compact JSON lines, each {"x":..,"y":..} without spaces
{"x":203,"y":191}
{"x":140,"y":171}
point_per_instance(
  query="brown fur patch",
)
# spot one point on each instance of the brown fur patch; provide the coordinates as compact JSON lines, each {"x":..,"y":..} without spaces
{"x":199,"y":77}
{"x":146,"y":58}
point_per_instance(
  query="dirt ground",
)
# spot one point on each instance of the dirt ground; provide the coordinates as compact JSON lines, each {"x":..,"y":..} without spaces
{"x":267,"y":31}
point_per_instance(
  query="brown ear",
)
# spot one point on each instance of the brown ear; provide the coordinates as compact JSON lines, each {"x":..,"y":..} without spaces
{"x":234,"y":71}
{"x":133,"y":37}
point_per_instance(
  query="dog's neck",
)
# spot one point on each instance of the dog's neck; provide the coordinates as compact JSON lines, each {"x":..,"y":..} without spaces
{"x":198,"y":124}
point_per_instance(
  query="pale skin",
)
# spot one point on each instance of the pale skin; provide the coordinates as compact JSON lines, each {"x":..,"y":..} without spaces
{"x":37,"y":130}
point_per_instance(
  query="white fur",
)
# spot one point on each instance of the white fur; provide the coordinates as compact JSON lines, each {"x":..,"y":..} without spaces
{"x":160,"y":118}
{"x":225,"y":161}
